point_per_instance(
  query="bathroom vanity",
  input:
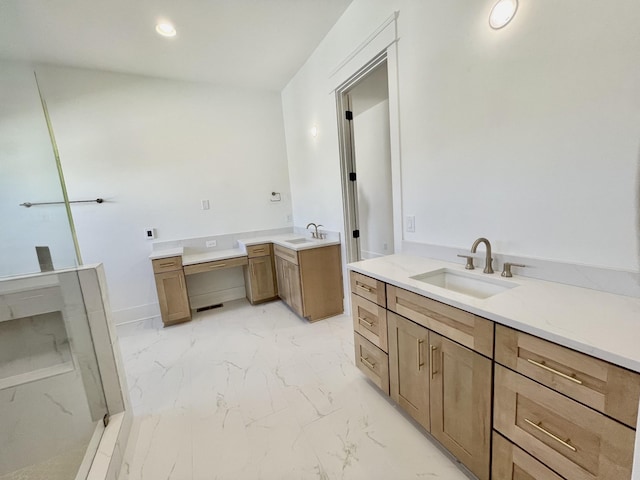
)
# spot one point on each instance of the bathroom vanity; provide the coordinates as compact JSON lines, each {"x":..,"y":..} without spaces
{"x":303,"y":272}
{"x":518,"y":379}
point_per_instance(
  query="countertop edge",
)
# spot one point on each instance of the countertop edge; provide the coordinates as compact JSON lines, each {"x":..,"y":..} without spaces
{"x":588,"y":349}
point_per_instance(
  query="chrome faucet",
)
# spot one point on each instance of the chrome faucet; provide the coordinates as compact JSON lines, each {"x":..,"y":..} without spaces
{"x":488,"y":260}
{"x":315,"y":234}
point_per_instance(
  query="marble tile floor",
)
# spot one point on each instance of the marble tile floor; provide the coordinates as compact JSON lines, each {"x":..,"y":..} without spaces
{"x":255,"y":392}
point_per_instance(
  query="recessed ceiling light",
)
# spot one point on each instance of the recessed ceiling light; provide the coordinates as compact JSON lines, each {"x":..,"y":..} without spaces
{"x":166,"y":29}
{"x":502,"y":13}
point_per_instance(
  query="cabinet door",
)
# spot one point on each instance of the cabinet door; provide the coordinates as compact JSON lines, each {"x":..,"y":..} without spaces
{"x":461,"y":402}
{"x":261,"y":281}
{"x":409,"y":367}
{"x":172,"y":294}
{"x":281,"y":278}
{"x":295,"y":288}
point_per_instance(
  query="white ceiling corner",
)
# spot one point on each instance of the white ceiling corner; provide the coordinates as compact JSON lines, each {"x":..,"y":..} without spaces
{"x":246,"y":43}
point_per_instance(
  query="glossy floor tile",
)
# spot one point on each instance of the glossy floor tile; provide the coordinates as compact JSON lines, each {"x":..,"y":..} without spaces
{"x":254,"y":392}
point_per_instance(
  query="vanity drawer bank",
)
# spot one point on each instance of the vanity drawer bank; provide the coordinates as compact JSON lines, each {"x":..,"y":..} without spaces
{"x":539,"y":381}
{"x":309,"y":276}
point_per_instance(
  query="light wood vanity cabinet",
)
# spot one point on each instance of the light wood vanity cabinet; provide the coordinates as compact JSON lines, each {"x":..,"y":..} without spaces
{"x":310,"y":280}
{"x":443,"y":385}
{"x":172,"y":290}
{"x":557,"y":414}
{"x":259,"y":274}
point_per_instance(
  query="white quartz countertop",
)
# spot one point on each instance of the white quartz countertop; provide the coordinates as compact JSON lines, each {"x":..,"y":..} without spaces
{"x":283,"y":241}
{"x":604,"y":325}
{"x":211,"y":256}
{"x":191,"y":257}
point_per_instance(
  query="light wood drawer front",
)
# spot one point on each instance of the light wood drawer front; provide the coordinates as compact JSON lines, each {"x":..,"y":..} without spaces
{"x":571,"y":439}
{"x":169,"y":264}
{"x":370,"y":321}
{"x":596,"y":383}
{"x":369,"y":288}
{"x":465,"y":328}
{"x":286,"y":253}
{"x":513,"y":463}
{"x":372,"y":361}
{"x":217,"y":265}
{"x":261,"y":250}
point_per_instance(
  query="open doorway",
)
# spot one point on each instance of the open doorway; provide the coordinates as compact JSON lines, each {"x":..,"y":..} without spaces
{"x":363,"y":104}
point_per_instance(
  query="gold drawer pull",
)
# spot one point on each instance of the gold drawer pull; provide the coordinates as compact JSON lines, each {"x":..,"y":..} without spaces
{"x":372,"y":366}
{"x":549,"y":369}
{"x":419,"y":347}
{"x":218,"y":265}
{"x":167,"y":264}
{"x":556,"y":438}
{"x":365,"y":321}
{"x":432,"y":351}
{"x":258,"y":250}
{"x":364,"y":287}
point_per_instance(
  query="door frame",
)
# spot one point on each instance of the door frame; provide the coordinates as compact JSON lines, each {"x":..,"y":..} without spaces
{"x":345,"y":139}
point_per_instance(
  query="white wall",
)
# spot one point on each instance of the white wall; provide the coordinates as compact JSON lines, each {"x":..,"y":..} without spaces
{"x":153,"y":149}
{"x":526,"y":135}
{"x":28,"y":174}
{"x":370,"y":105}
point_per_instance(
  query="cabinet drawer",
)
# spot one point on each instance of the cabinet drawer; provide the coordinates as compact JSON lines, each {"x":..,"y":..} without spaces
{"x":261,"y":250}
{"x":217,"y":265}
{"x":596,"y":383}
{"x":460,"y":326}
{"x":571,"y":439}
{"x":373,"y":362}
{"x":370,"y":321}
{"x":369,"y":288}
{"x":169,"y":264}
{"x":286,"y":253}
{"x":512,"y":463}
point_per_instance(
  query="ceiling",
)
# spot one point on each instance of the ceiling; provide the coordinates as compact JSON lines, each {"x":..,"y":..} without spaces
{"x":247,"y":43}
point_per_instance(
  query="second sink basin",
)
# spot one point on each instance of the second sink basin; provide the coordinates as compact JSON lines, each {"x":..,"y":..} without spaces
{"x":466,"y":284}
{"x":297,"y":241}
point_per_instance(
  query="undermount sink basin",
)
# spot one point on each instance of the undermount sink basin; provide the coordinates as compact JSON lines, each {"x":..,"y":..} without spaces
{"x":297,"y":241}
{"x":460,"y":282}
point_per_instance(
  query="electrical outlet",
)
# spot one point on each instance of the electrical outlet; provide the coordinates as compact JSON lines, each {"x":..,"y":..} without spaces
{"x":205,"y":204}
{"x":289,"y":218}
{"x":210,"y":243}
{"x":411,"y":223}
{"x":150,"y":233}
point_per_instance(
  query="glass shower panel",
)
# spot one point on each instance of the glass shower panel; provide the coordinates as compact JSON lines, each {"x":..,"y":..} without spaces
{"x":52,"y":400}
{"x":28,"y":173}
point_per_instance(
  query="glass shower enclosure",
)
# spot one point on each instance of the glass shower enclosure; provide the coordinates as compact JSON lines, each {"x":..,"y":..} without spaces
{"x":52,"y":400}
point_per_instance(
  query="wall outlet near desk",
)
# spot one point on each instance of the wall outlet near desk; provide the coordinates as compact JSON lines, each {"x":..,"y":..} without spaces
{"x":210,"y":243}
{"x":150,"y":233}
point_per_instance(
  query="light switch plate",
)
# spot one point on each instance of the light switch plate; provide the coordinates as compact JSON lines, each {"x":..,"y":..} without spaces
{"x":205,"y":204}
{"x":411,"y":223}
{"x":150,"y":233}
